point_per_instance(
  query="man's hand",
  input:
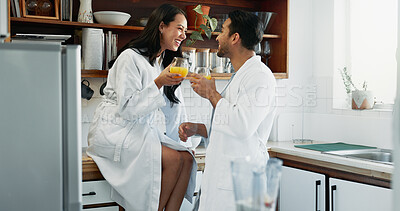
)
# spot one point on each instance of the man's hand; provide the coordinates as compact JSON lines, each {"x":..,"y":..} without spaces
{"x":205,"y":88}
{"x":186,"y":130}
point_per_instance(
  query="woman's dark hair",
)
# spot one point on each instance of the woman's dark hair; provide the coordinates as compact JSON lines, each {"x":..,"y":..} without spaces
{"x":148,"y":42}
{"x":248,"y":26}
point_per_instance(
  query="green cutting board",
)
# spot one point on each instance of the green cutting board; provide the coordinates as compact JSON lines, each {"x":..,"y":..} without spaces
{"x":333,"y":147}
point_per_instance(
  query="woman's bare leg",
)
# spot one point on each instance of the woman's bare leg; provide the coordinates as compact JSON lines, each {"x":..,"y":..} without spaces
{"x":176,"y":198}
{"x":172,"y":164}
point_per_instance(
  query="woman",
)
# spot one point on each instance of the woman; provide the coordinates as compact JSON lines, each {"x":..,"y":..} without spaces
{"x":147,"y":169}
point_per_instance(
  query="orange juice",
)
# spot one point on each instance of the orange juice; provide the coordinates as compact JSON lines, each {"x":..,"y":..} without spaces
{"x":180,"y":70}
{"x":208,"y":77}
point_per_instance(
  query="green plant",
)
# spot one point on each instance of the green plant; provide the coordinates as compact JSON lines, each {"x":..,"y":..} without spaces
{"x":208,"y":27}
{"x":348,"y":82}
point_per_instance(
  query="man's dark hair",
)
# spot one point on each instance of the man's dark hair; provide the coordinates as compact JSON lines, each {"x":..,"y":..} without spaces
{"x":248,"y":26}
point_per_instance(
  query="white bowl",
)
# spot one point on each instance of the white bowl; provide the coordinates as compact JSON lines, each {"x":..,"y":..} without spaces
{"x":112,"y":17}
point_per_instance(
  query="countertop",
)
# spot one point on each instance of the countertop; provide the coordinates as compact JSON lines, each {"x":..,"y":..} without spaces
{"x":286,"y":150}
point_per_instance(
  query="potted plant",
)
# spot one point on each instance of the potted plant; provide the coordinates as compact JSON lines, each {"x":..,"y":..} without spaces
{"x":206,"y":24}
{"x":360,"y":98}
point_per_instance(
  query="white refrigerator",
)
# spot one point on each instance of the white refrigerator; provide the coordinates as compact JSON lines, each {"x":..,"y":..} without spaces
{"x":40,"y":127}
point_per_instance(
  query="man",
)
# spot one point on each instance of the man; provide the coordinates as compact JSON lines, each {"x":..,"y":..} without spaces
{"x":243,"y":112}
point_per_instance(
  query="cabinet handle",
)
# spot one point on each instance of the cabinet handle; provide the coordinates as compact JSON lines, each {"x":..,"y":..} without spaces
{"x":91,"y":193}
{"x":333,"y":188}
{"x":317,"y":186}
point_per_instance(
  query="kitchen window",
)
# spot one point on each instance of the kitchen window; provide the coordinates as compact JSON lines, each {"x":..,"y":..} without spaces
{"x":365,"y":41}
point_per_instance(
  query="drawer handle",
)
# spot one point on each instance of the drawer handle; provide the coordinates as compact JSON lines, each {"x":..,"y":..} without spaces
{"x":317,"y":186}
{"x":91,"y":193}
{"x":333,"y":188}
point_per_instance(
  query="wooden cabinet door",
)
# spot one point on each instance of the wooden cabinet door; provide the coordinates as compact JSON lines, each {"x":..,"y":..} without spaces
{"x":301,"y":190}
{"x":353,"y":196}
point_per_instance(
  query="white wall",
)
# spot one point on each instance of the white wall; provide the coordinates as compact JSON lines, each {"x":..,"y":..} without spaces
{"x":311,"y":47}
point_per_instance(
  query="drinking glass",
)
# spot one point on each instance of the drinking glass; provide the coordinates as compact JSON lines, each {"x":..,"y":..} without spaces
{"x":256,"y":185}
{"x":273,"y":174}
{"x":203,"y":71}
{"x":244,"y":183}
{"x":179,"y":65}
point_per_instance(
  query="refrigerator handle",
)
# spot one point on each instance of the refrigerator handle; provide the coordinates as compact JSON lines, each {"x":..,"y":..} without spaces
{"x":317,"y":187}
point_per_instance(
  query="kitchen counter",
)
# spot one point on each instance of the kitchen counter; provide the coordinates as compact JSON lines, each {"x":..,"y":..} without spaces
{"x":334,"y":166}
{"x":91,"y":172}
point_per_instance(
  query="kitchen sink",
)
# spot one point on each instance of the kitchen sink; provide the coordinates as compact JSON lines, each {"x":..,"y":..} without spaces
{"x":374,"y":155}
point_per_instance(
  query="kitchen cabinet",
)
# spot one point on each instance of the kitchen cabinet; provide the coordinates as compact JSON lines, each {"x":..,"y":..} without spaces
{"x":278,"y":36}
{"x":96,"y":196}
{"x":97,"y":190}
{"x":305,"y":190}
{"x":353,"y":196}
{"x":301,"y":190}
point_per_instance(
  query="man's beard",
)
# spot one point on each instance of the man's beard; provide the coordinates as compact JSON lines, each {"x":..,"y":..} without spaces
{"x":222,"y":51}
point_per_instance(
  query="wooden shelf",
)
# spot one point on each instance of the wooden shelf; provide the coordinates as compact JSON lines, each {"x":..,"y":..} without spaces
{"x":230,"y":3}
{"x":281,"y":75}
{"x":73,"y":24}
{"x":104,"y":73}
{"x":80,"y":25}
{"x":94,"y":73}
{"x":217,"y":76}
{"x":278,"y":37}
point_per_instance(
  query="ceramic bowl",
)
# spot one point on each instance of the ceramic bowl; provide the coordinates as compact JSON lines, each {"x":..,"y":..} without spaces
{"x":111,"y":17}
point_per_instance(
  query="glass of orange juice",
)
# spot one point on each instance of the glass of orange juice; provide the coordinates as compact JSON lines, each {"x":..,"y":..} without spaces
{"x":179,"y":65}
{"x":203,"y":71}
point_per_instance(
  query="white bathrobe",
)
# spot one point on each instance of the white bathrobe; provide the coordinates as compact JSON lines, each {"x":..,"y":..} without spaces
{"x":240,"y":127}
{"x":123,"y":139}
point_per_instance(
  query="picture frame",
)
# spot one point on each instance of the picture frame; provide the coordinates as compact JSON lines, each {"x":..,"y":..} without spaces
{"x":45,"y":9}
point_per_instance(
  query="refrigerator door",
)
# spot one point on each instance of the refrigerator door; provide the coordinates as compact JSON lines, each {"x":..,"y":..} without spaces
{"x":72,"y":128}
{"x":31,"y":129}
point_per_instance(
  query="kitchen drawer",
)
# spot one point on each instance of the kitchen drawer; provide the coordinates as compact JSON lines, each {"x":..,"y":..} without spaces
{"x":112,"y":208}
{"x":96,"y":192}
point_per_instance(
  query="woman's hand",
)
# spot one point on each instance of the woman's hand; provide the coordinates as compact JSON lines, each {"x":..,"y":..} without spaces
{"x":168,"y":79}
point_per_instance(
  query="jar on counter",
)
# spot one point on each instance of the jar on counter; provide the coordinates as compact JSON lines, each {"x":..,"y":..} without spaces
{"x":202,"y":57}
{"x":216,"y":62}
{"x":190,"y":54}
{"x":226,"y":63}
